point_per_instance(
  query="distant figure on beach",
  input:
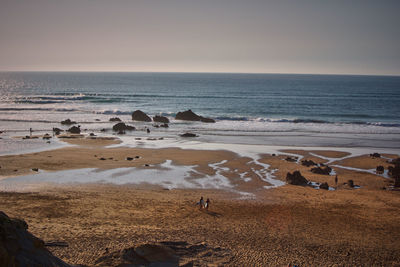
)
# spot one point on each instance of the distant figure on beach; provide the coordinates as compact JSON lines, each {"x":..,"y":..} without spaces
{"x":336,"y":180}
{"x":30,"y":131}
{"x":148,"y":130}
{"x":207,"y":203}
{"x":201,"y":203}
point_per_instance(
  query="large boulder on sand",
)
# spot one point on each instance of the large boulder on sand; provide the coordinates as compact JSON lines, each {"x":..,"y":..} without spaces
{"x":308,"y":163}
{"x":296,"y":178}
{"x":139,"y":115}
{"x":324,"y":186}
{"x":324,"y":171}
{"x":189,"y":115}
{"x":18,"y":247}
{"x":121,"y":127}
{"x":161,"y":119}
{"x":148,"y":255}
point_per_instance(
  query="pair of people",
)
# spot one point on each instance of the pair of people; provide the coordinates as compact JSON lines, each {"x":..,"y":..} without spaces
{"x":204,"y":205}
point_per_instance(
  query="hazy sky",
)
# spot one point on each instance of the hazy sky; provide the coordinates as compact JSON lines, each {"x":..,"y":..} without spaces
{"x":299,"y":36}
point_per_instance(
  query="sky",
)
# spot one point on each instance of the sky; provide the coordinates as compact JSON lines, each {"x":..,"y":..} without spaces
{"x":298,"y":36}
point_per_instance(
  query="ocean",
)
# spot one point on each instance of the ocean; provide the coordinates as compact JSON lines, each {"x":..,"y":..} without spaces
{"x":269,"y":109}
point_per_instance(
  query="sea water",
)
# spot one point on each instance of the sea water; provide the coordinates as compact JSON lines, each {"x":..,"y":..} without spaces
{"x":268,"y":109}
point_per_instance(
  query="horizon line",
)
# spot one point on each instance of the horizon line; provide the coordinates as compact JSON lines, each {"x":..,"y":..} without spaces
{"x":199,"y":72}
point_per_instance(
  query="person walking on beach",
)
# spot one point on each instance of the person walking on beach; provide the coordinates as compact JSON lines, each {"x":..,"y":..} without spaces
{"x":201,"y":203}
{"x":207,"y":203}
{"x":30,"y":131}
{"x":336,"y":180}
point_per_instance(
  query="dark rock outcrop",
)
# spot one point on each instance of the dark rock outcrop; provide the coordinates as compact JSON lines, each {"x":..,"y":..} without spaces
{"x":139,"y":115}
{"x":115,"y":119}
{"x":380,"y":169}
{"x":75,"y":130}
{"x":68,"y":122}
{"x":145,"y":255}
{"x":394,"y":172}
{"x":375,"y":155}
{"x":161,"y":119}
{"x":188,"y":135}
{"x":18,"y":247}
{"x":308,"y":163}
{"x":291,"y":159}
{"x":324,"y":171}
{"x":189,"y":115}
{"x":121,"y":127}
{"x":324,"y":186}
{"x":208,"y":120}
{"x":296,"y":178}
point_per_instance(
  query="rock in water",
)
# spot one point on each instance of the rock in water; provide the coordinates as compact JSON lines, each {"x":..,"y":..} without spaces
{"x":189,"y":115}
{"x":121,"y":127}
{"x":296,"y":178}
{"x":139,"y":115}
{"x":188,"y":135}
{"x":115,"y":119}
{"x":74,"y":130}
{"x":161,"y":119}
{"x":148,"y":255}
{"x":18,"y":247}
{"x":68,"y":122}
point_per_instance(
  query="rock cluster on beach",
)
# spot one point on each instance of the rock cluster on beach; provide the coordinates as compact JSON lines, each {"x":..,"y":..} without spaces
{"x":296,"y":178}
{"x":308,"y":163}
{"x":18,"y":247}
{"x":322,"y":170}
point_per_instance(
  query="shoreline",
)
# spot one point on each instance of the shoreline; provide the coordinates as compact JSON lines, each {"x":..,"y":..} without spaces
{"x":249,"y":223}
{"x":232,"y":167}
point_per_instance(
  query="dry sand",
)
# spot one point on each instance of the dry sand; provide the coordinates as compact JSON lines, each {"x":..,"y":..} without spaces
{"x":302,"y":225}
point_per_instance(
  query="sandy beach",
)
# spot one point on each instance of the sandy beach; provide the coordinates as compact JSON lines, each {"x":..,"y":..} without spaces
{"x":251,"y":222}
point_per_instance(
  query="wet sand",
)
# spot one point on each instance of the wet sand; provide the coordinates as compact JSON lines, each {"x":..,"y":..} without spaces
{"x":302,"y":225}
